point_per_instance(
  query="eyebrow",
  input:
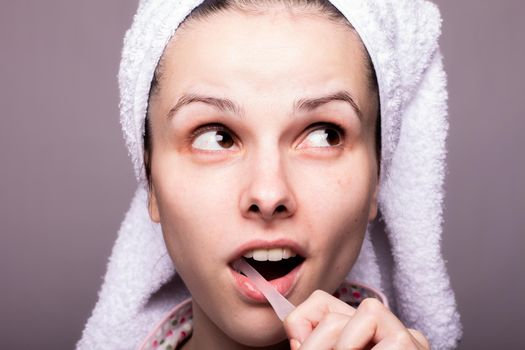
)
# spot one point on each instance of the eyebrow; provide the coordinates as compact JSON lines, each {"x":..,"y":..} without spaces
{"x":303,"y":104}
{"x":309,"y":104}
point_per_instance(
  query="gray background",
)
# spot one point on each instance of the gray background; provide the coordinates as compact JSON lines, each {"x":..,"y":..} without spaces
{"x":66,"y":180}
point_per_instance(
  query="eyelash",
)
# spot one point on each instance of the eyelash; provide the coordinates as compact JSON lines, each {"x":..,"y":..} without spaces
{"x":210,"y":127}
{"x":319,"y":125}
{"x":220,"y":127}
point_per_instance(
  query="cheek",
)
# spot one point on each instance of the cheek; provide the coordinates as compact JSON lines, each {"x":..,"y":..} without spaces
{"x":340,"y":199}
{"x":192,"y":207}
{"x":340,"y":224}
{"x":336,"y":209}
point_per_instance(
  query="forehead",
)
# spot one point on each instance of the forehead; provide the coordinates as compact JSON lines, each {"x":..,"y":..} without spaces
{"x":272,"y":54}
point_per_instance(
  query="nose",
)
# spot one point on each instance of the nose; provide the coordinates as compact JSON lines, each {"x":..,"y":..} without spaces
{"x":267,"y":194}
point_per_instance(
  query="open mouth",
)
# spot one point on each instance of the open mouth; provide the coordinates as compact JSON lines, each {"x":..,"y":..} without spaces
{"x":273,"y":263}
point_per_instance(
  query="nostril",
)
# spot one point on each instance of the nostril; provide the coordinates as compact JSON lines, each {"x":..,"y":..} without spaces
{"x":281,"y":208}
{"x":254,"y":208}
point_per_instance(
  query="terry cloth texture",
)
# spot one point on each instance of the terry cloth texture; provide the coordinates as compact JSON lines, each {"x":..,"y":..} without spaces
{"x":401,"y":254}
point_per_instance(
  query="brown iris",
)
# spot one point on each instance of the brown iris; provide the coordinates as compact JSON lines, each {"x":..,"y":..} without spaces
{"x":224,"y":139}
{"x":332,"y":137}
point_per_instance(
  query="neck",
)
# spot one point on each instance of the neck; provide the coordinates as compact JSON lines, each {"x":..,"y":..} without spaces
{"x":206,"y":335}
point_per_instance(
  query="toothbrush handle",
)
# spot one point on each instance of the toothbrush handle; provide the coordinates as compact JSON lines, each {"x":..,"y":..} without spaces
{"x":279,"y":303}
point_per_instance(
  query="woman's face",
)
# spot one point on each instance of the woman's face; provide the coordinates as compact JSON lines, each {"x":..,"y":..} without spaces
{"x":263,"y":140}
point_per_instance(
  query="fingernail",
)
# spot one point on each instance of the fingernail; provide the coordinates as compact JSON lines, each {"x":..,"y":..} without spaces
{"x":294,"y":344}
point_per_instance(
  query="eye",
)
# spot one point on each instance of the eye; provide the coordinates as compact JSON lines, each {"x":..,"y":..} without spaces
{"x":323,"y":136}
{"x":213,"y":138}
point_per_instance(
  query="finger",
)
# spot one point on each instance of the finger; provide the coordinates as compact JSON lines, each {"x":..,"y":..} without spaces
{"x":371,"y":323}
{"x":399,"y":341}
{"x":301,"y":322}
{"x":420,"y":338}
{"x":325,"y":335}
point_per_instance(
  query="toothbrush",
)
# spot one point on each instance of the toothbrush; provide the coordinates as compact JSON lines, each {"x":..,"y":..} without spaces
{"x":279,"y":303}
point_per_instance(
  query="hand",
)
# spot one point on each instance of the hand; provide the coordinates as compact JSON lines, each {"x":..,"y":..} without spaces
{"x":325,"y":322}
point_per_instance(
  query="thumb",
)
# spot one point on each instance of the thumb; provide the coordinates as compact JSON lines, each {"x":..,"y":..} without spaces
{"x":303,"y":320}
{"x":297,"y":328}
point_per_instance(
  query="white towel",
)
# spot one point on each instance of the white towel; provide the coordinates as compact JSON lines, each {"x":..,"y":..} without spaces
{"x":401,"y":254}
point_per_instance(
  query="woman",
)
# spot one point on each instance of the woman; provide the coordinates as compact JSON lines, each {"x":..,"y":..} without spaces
{"x":254,"y":131}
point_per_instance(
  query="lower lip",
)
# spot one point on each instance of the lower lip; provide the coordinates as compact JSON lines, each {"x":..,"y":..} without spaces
{"x":282,"y":284}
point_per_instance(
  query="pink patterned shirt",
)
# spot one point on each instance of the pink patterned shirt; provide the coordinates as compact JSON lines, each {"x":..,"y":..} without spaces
{"x":176,"y":326}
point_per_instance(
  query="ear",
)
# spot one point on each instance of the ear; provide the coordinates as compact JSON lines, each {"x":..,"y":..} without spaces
{"x":153,"y":208}
{"x":372,"y":214}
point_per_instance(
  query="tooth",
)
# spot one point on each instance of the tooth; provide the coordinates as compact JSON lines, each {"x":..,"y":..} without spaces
{"x":260,"y":254}
{"x":287,"y":253}
{"x":275,"y":254}
{"x":293,"y":255}
{"x":248,"y":254}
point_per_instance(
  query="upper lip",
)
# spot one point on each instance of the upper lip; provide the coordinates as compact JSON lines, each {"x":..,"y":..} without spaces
{"x":266,"y":244}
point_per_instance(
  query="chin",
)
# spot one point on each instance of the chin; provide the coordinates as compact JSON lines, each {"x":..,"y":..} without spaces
{"x":258,"y":328}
